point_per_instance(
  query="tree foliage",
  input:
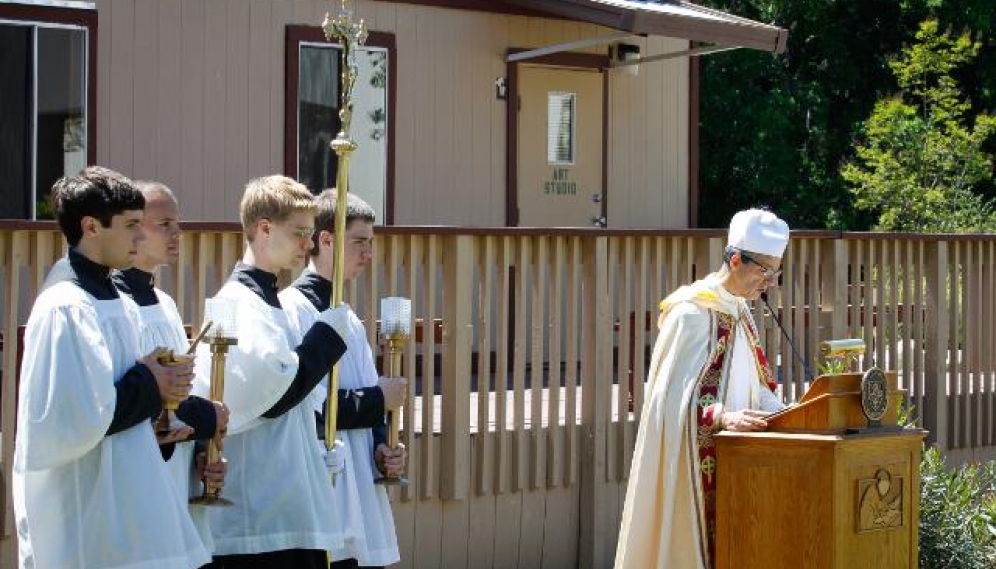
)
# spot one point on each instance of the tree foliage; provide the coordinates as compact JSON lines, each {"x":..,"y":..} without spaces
{"x":776,"y":129}
{"x":921,"y":160}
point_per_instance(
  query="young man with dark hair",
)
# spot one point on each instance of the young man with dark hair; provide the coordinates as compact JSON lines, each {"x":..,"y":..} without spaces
{"x":283,"y":513}
{"x":362,"y":507}
{"x":90,"y":486}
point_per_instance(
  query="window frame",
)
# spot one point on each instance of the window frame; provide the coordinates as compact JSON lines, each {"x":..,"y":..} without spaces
{"x":62,"y":14}
{"x":296,"y":35}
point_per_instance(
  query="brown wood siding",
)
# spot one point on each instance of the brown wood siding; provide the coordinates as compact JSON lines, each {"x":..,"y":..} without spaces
{"x":192,"y":94}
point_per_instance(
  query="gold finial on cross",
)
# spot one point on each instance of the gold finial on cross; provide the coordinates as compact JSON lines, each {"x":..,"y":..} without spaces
{"x":342,"y":28}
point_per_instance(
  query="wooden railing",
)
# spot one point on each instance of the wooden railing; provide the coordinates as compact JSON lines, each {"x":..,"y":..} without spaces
{"x":541,"y":331}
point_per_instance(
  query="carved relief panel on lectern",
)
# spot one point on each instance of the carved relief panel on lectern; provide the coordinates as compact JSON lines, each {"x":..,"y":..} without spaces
{"x":880,"y":502}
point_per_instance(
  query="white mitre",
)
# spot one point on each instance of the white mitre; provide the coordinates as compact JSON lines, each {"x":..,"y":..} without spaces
{"x":758,"y":231}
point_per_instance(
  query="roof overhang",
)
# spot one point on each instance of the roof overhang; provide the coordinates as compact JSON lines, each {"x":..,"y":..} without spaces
{"x":671,"y":18}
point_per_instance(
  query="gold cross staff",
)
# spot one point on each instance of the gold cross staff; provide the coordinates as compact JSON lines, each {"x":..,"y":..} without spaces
{"x":351,"y":34}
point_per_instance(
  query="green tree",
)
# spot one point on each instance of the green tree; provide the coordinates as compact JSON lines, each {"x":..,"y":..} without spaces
{"x":922,"y":158}
{"x":776,"y":129}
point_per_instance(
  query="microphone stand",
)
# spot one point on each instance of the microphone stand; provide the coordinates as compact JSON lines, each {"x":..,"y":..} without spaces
{"x":805,"y":367}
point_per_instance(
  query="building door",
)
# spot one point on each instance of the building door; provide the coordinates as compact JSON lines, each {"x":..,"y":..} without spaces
{"x":559,"y":156}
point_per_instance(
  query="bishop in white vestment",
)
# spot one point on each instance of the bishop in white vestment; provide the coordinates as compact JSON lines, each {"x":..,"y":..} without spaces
{"x":708,"y":373}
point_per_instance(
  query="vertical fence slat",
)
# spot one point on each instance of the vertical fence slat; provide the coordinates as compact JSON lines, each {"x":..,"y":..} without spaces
{"x":643,"y":314}
{"x":520,"y":454}
{"x":413,"y":261}
{"x":458,"y":337}
{"x":628,"y":353}
{"x":483,"y":453}
{"x":895,"y":308}
{"x":835,"y":271}
{"x":935,"y":364}
{"x":430,"y":480}
{"x":923,"y":318}
{"x":596,"y":369}
{"x":868,"y":304}
{"x":908,"y":304}
{"x":814,"y":316}
{"x":537,"y":348}
{"x":502,"y":342}
{"x":955,"y":397}
{"x":880,"y":305}
{"x":855,"y":287}
{"x":574,"y":328}
{"x":798,"y":323}
{"x":15,"y":261}
{"x":556,"y":427}
{"x":182,"y":272}
{"x":989,"y":318}
{"x":202,"y":290}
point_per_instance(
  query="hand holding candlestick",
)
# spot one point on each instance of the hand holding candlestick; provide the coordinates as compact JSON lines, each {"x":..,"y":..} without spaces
{"x":167,"y":424}
{"x":395,"y":314}
{"x":222,"y":313}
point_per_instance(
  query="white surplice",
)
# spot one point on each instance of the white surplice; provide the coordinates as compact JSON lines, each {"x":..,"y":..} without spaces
{"x":83,"y":499}
{"x":368,"y":523}
{"x":662,"y":520}
{"x":161,"y":327}
{"x":276,"y":479}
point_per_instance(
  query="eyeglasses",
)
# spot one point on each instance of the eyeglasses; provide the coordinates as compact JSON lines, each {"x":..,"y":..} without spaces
{"x":768,"y":272}
{"x":302,"y":232}
{"x":299,"y":232}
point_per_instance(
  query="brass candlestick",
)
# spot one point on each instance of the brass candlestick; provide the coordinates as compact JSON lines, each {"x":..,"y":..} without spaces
{"x":396,"y":322}
{"x":164,"y":423}
{"x":351,"y":35}
{"x":222,"y":313}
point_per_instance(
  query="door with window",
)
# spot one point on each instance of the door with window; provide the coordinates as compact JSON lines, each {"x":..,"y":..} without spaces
{"x":559,"y":157}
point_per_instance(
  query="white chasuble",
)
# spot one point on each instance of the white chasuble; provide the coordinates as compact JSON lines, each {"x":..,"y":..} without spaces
{"x":368,"y":522}
{"x":669,"y":510}
{"x":275,"y":477}
{"x":83,"y":499}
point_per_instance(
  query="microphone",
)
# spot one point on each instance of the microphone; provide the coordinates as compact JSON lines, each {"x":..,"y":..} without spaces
{"x":805,"y":366}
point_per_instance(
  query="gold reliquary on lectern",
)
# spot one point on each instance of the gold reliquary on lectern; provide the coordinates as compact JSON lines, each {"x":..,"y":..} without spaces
{"x":833,"y":483}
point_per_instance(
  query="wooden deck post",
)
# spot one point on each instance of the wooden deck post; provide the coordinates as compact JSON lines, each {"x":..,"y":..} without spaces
{"x":935,"y":413}
{"x":458,"y":337}
{"x":596,"y":385}
{"x":19,"y":253}
{"x":835,"y":261}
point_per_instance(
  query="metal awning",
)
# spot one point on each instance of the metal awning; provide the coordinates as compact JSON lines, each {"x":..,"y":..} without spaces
{"x":671,"y":18}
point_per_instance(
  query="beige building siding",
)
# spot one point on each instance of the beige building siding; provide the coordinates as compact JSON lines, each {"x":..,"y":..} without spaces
{"x":192,"y":93}
{"x":648,"y":141}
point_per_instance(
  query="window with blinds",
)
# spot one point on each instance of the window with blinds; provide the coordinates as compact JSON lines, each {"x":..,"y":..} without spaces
{"x":560,"y":131}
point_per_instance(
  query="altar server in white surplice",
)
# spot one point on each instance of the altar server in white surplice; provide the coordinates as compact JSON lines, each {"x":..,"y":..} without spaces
{"x":162,"y":327}
{"x":282,"y":513}
{"x":363,"y":507}
{"x":90,"y":486}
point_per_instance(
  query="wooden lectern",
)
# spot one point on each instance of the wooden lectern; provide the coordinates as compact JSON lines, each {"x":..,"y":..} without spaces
{"x":820,"y":489}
